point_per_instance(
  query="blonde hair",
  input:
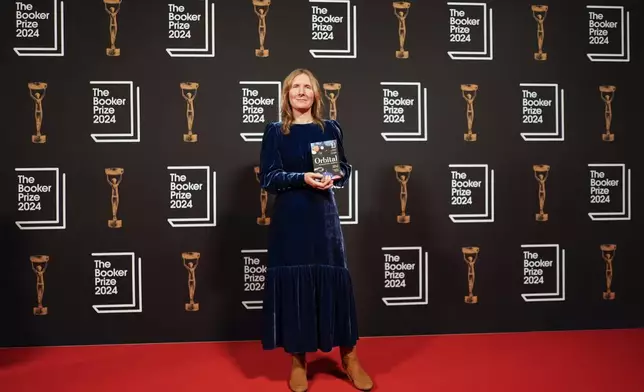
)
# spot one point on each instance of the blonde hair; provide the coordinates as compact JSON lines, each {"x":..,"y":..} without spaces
{"x":287,"y":111}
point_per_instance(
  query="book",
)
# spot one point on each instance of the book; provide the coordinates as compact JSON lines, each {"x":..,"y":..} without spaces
{"x":326,"y":160}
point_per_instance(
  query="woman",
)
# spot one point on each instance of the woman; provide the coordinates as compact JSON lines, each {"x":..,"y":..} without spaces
{"x":308,"y":297}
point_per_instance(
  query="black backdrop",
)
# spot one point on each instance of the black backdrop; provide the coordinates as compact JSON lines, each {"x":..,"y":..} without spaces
{"x":148,"y":247}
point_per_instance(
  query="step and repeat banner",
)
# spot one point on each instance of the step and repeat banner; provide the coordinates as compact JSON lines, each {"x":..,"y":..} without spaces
{"x":496,"y":149}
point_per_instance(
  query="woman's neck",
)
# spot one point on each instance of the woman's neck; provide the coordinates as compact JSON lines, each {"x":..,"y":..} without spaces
{"x":302,"y":118}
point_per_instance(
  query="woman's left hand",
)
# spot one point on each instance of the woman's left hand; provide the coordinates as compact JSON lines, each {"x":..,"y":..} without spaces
{"x":326,"y":183}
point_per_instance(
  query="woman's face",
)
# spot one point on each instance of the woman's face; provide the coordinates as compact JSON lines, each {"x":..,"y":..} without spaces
{"x":301,"y":95}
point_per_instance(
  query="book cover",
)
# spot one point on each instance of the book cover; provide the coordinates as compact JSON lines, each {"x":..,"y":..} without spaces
{"x":326,"y":160}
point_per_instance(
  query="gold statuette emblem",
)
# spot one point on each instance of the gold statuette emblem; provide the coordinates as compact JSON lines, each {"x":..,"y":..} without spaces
{"x":37,"y":92}
{"x":332,"y":92}
{"x":539,"y":13}
{"x":112,"y":7}
{"x":190,"y":262}
{"x":608,"y":254}
{"x":261,"y":10}
{"x":469,"y":94}
{"x":541,"y":174}
{"x":401,"y":10}
{"x":263,"y":198}
{"x":470,"y":254}
{"x":39,"y":266}
{"x":607,"y":94}
{"x":112,"y":174}
{"x":189,"y":93}
{"x":402,"y":175}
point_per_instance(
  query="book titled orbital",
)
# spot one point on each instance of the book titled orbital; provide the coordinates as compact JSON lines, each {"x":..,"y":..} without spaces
{"x":326,"y":160}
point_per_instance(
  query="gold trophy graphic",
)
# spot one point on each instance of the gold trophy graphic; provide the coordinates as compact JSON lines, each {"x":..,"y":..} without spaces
{"x":261,"y":9}
{"x":469,"y":94}
{"x":539,"y":13}
{"x":608,"y":93}
{"x":37,"y":92}
{"x":189,"y":93}
{"x":111,"y":174}
{"x":470,"y":254}
{"x":191,"y":261}
{"x":39,"y":266}
{"x":608,"y":254}
{"x":401,"y":10}
{"x":112,"y":7}
{"x":332,"y":92}
{"x":402,"y":175}
{"x":263,"y":198}
{"x":541,"y":174}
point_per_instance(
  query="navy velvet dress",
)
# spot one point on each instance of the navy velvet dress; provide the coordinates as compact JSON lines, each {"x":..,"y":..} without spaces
{"x":308,"y":295}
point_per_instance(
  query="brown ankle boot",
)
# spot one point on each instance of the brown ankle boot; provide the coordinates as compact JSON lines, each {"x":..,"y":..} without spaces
{"x":298,"y":381}
{"x":354,"y":371}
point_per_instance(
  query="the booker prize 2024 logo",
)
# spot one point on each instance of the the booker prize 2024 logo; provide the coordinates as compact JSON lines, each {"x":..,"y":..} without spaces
{"x":40,"y":28}
{"x":117,"y":282}
{"x":254,"y":273}
{"x":41,"y":198}
{"x":609,"y":33}
{"x":191,"y":28}
{"x":542,"y":112}
{"x":405,"y":276}
{"x":116,"y":112}
{"x":470,"y":31}
{"x":404,"y":111}
{"x":334,"y":31}
{"x":471,"y":193}
{"x":544,"y":273}
{"x":261,"y":102}
{"x":609,"y":191}
{"x":193,"y":196}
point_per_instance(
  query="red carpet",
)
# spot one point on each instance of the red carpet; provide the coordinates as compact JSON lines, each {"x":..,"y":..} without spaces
{"x":611,"y":360}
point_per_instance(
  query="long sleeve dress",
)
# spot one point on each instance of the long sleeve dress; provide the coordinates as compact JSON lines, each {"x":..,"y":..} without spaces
{"x":308,"y":296}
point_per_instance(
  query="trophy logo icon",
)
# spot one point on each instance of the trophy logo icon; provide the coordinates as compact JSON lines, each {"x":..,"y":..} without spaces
{"x":608,"y":254}
{"x":607,"y":94}
{"x":541,"y":174}
{"x":37,"y":92}
{"x":39,"y":266}
{"x":190,"y":262}
{"x":263,"y":198}
{"x":112,"y":7}
{"x":469,"y":94}
{"x":470,"y":254}
{"x":114,"y":178}
{"x":332,"y":92}
{"x":402,"y":175}
{"x":189,"y":93}
{"x":401,"y":10}
{"x":539,"y":13}
{"x":261,"y":10}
